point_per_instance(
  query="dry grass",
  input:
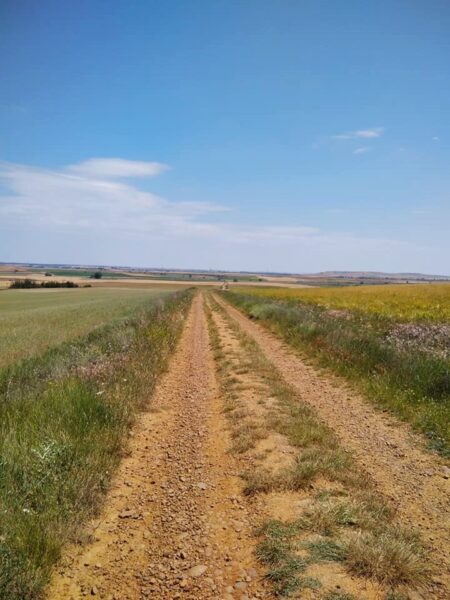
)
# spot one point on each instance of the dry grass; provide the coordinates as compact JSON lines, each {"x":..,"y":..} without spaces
{"x":338,"y":596}
{"x":363,"y":510}
{"x":246,"y":435}
{"x":394,"y":557}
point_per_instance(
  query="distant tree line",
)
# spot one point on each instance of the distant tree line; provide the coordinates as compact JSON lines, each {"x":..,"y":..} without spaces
{"x":28,"y":284}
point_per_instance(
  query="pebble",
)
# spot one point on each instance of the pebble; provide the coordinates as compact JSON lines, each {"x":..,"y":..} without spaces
{"x":197,"y":571}
{"x":240,"y":585}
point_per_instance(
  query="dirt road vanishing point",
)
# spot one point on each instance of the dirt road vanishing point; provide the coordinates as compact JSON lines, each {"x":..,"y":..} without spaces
{"x":176,"y":523}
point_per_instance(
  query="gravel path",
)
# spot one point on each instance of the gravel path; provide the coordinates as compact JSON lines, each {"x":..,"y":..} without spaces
{"x":416,"y":481}
{"x":174,"y":524}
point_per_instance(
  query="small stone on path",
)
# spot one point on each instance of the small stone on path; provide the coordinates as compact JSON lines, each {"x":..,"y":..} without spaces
{"x":197,"y":571}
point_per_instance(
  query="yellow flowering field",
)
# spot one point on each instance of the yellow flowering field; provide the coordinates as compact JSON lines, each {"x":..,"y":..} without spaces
{"x":406,"y":302}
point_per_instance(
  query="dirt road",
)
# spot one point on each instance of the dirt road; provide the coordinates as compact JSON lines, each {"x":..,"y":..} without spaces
{"x":416,"y":481}
{"x":176,"y":523}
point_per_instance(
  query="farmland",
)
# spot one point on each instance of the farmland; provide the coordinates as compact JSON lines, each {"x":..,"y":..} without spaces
{"x":33,"y":320}
{"x":393,"y":342}
{"x":236,"y":451}
{"x":414,"y":302}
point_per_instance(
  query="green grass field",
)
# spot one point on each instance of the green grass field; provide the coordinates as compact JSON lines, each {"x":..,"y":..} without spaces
{"x":33,"y":320}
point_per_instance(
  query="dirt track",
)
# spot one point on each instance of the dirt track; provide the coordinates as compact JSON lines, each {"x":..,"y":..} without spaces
{"x":413,"y":479}
{"x":175,"y":523}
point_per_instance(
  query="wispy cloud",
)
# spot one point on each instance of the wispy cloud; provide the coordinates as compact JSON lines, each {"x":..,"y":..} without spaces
{"x":366,"y":134}
{"x":69,"y":200}
{"x":350,"y":139}
{"x":69,"y":197}
{"x":73,"y":197}
{"x":116,"y":168}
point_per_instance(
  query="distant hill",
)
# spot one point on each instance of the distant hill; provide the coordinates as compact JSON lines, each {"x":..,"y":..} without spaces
{"x":381,"y":275}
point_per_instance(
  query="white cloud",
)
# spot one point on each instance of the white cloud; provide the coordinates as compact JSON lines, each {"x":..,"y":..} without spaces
{"x":374,"y":132}
{"x":361,"y":150}
{"x":369,"y":133}
{"x":43,"y":206}
{"x":60,"y":198}
{"x":116,"y":168}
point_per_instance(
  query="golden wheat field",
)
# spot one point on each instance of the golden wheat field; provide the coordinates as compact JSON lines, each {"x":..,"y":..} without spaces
{"x":408,"y":302}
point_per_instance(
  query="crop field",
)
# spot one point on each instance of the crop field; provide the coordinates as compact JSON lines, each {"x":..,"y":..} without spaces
{"x":392,"y":341}
{"x":33,"y":320}
{"x":411,"y":302}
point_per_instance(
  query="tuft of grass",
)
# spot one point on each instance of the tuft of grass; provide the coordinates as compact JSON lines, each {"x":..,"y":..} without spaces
{"x":277,"y":551}
{"x":326,"y":550}
{"x":394,"y":557}
{"x":334,"y":595}
{"x":395,"y":595}
{"x":246,"y":435}
{"x":63,"y":420}
{"x":309,"y":465}
{"x":326,"y":518}
{"x":364,"y":511}
{"x":275,"y":529}
{"x":260,"y":480}
{"x":312,"y":462}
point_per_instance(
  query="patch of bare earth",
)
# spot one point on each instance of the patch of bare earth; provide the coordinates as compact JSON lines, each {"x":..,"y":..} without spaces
{"x":415,"y":481}
{"x":175,"y":524}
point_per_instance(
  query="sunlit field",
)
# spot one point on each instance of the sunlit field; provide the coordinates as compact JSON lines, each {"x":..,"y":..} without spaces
{"x":405,"y":302}
{"x":33,"y":320}
{"x":393,"y":341}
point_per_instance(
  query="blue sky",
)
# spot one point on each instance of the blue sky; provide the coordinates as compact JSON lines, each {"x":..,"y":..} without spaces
{"x":281,"y":135}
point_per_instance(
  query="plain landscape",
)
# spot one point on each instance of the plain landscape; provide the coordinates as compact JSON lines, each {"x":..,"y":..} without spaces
{"x":224,"y":300}
{"x":242,"y":439}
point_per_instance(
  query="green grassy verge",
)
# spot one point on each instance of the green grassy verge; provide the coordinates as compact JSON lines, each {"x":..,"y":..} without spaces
{"x":404,"y":377}
{"x":63,"y":420}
